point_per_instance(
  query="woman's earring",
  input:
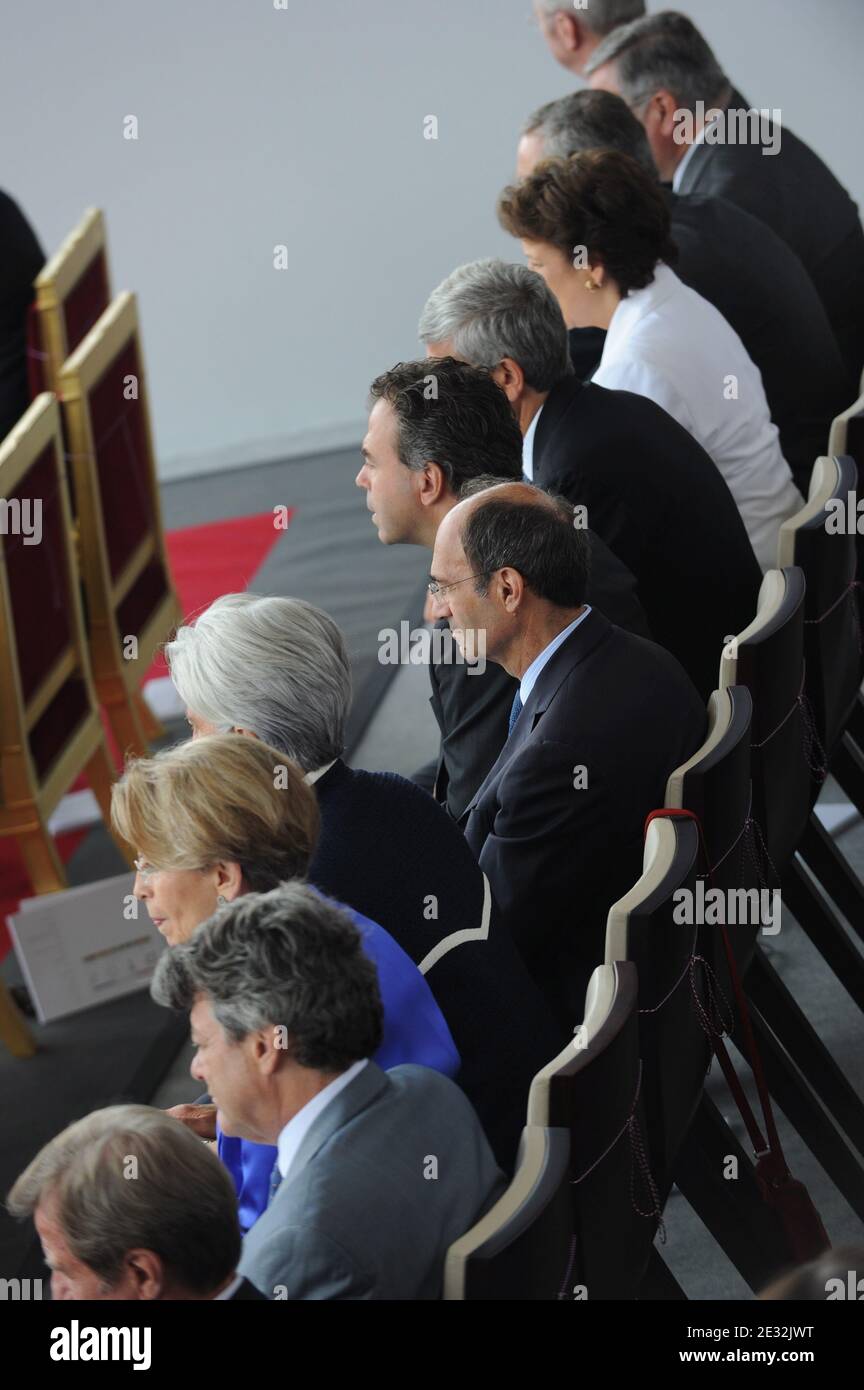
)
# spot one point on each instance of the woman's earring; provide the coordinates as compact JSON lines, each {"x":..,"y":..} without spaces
{"x":591,"y":285}
{"x":220,"y":901}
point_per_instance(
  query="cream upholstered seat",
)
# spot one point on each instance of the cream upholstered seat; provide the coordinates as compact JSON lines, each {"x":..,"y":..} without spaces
{"x":567,"y":1226}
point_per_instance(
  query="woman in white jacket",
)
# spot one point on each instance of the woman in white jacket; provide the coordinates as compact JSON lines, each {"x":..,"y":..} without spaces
{"x":596,"y":227}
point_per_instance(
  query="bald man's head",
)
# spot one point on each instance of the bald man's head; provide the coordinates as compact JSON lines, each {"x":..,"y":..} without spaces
{"x":517,"y":526}
{"x":502,"y":555}
{"x":480,"y":491}
{"x":507,"y":489}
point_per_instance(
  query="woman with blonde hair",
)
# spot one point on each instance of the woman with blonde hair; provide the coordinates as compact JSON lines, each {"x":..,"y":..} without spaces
{"x":224,"y":815}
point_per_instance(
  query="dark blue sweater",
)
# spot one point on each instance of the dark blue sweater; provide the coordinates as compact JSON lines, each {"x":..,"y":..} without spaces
{"x":388,"y":850}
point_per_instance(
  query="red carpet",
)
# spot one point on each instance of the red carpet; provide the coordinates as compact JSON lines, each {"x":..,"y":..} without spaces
{"x":206,"y":561}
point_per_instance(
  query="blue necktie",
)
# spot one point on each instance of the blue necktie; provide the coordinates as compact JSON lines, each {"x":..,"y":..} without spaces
{"x":275,"y":1180}
{"x":515,"y":712}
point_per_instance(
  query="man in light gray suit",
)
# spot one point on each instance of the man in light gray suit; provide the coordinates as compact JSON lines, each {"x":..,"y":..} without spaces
{"x":377,"y":1172}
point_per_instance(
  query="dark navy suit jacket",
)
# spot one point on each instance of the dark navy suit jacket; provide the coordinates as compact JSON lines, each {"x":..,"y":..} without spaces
{"x":795,"y":193}
{"x":661,"y":504}
{"x":558,"y":823}
{"x":472,"y":706}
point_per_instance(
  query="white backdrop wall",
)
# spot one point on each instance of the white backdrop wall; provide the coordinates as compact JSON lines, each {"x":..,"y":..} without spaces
{"x":303,"y":127}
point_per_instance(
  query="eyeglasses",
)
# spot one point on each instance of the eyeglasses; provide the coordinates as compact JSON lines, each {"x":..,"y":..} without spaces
{"x":436,"y":589}
{"x":145,"y":870}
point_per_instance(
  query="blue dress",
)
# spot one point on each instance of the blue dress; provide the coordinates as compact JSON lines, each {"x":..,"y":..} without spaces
{"x":414,"y":1031}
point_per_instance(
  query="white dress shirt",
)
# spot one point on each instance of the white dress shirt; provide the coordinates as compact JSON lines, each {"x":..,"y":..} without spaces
{"x":529,"y":680}
{"x":668,"y":343}
{"x":528,"y":446}
{"x":312,"y":777}
{"x":298,"y":1127}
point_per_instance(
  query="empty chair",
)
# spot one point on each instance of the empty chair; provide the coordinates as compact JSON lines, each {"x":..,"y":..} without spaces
{"x":50,"y":729}
{"x":72,"y":291}
{"x":830,"y":564}
{"x":132,"y":607}
{"x":847,"y":432}
{"x":768,"y":658}
{"x":847,"y":437}
{"x":648,"y":927}
{"x":592,"y":1089}
{"x":521,"y":1248}
{"x":715,"y":785}
{"x":787,"y":762}
{"x":832,"y":651}
{"x":832,"y":619}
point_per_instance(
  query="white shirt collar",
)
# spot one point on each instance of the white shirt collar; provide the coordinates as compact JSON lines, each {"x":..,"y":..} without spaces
{"x":319,"y":772}
{"x":231,"y":1289}
{"x":529,"y":680}
{"x":528,"y":446}
{"x":298,"y":1126}
{"x":679,"y":172}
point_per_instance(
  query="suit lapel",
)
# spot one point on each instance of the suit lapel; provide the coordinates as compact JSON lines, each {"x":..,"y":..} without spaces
{"x":697,"y":166}
{"x":555,"y":408}
{"x":366,"y":1087}
{"x":699,"y":161}
{"x":593,"y":630}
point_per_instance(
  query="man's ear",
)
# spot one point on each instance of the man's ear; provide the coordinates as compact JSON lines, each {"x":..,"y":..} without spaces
{"x":510,"y":588}
{"x":662,"y":109}
{"x":144,"y":1275}
{"x":269,"y":1048}
{"x":432,"y":484}
{"x":511,"y":378}
{"x":567,"y":30}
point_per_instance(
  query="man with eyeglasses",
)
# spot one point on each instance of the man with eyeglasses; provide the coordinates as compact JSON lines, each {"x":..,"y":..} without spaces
{"x":599,"y":720}
{"x":434,"y":428}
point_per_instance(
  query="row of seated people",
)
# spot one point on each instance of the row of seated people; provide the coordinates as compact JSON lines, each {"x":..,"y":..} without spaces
{"x":708,"y":142}
{"x":597,"y":543}
{"x":376,"y":1171}
{"x":480,"y":961}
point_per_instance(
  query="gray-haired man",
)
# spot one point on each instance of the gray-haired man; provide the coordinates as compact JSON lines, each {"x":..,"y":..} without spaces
{"x":734,"y":260}
{"x":377,"y":1172}
{"x":648,"y":488}
{"x":705,"y":138}
{"x":573,"y":30}
{"x":128,"y":1204}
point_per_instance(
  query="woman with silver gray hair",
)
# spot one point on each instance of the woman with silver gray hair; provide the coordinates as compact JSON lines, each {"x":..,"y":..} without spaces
{"x":277,"y":669}
{"x":217,"y":818}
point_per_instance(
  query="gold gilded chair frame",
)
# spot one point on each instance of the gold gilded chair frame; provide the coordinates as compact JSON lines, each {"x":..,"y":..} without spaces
{"x":117,"y":676}
{"x":55,"y":282}
{"x":27,"y":798}
{"x":53,"y":286}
